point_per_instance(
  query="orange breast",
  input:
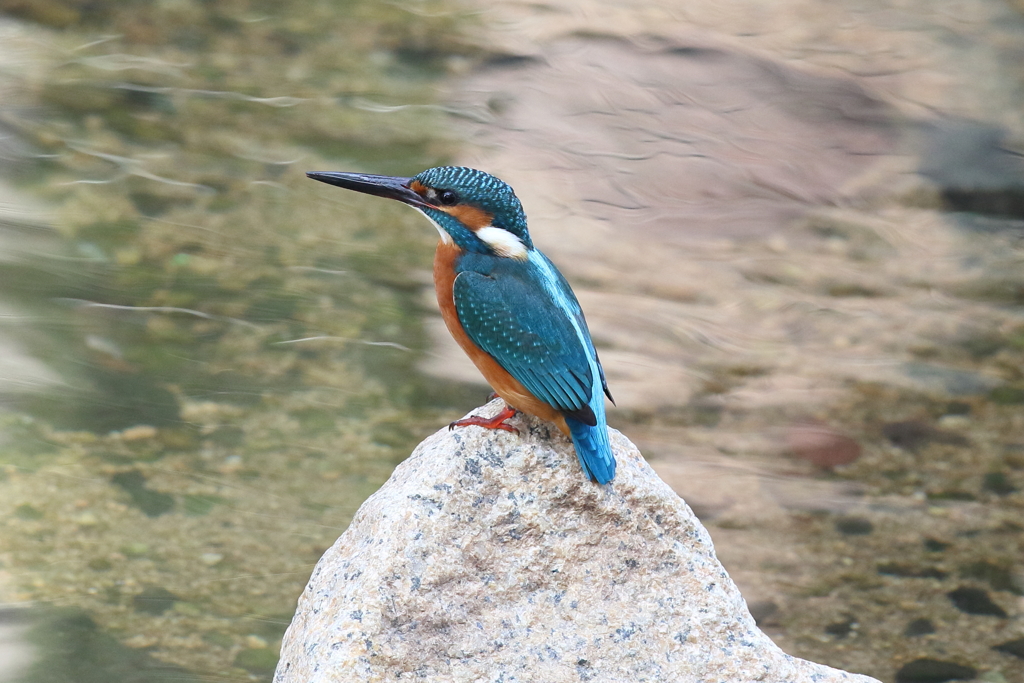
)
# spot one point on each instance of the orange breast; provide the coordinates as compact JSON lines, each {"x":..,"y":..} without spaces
{"x":506,"y":386}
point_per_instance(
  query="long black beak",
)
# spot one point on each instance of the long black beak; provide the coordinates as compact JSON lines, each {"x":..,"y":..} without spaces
{"x":378,"y":185}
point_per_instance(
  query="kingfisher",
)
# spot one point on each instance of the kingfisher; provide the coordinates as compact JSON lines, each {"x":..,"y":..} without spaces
{"x":506,"y":305}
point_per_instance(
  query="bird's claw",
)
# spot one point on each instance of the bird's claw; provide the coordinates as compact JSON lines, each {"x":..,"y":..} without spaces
{"x":496,"y":422}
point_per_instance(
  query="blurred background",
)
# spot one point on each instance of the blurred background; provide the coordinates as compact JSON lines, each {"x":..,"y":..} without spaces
{"x":796,"y":227}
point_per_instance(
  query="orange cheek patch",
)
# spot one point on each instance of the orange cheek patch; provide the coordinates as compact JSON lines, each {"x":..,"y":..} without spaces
{"x":470,"y":216}
{"x":418,"y":187}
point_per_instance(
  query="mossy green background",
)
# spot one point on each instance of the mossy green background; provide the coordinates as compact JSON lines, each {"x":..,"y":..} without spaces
{"x":235,"y":344}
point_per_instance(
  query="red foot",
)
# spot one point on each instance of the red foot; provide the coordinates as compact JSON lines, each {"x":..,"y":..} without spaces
{"x":496,"y":422}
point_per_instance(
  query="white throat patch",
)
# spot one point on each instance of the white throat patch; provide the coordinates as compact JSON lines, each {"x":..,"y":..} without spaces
{"x":503,"y":242}
{"x":445,"y":237}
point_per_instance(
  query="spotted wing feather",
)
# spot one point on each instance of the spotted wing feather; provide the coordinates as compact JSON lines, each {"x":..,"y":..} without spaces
{"x":509,"y":317}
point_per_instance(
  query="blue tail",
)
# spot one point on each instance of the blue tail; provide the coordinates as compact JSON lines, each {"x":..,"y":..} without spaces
{"x":593,"y":449}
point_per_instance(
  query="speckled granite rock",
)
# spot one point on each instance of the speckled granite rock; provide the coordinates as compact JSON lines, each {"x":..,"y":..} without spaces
{"x":488,"y":557}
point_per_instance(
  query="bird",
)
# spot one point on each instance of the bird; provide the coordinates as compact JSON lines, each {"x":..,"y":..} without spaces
{"x":506,"y":304}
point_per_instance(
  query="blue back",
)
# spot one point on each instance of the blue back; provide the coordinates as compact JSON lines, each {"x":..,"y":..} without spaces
{"x":525,"y":315}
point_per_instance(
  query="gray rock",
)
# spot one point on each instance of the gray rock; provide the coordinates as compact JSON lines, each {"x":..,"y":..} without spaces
{"x":488,"y":557}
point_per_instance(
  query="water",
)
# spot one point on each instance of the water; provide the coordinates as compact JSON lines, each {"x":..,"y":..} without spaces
{"x":797,"y":236}
{"x":209,"y":359}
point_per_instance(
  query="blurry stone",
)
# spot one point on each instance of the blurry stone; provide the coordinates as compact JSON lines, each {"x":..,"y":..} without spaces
{"x":854,"y":526}
{"x":199,"y":504}
{"x":488,"y":555}
{"x":135,"y":549}
{"x":998,"y":483}
{"x":951,"y":381}
{"x":1007,"y":395}
{"x":958,"y":408}
{"x":972,"y":164}
{"x":1001,"y":575}
{"x":255,"y":642}
{"x":841,"y":629}
{"x":154,"y":600}
{"x":919,"y":627}
{"x":821,"y":445}
{"x":954,"y":422}
{"x":141,"y":641}
{"x":1014,"y":455}
{"x":53,"y":13}
{"x":934,"y":671}
{"x":218,"y":639}
{"x":182,"y":439}
{"x":231,"y":465}
{"x":189,"y":609}
{"x":951,"y":494}
{"x":100,"y":564}
{"x":975,"y":601}
{"x":138,"y":432}
{"x":153,"y":503}
{"x":86,"y":519}
{"x":914,"y":434}
{"x":1011,"y":647}
{"x":27,"y":512}
{"x":211,"y":559}
{"x":764,"y":612}
{"x":907,"y":569}
{"x":256,"y":660}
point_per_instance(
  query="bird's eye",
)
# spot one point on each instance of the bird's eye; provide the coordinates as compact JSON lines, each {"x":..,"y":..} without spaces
{"x":448,"y":198}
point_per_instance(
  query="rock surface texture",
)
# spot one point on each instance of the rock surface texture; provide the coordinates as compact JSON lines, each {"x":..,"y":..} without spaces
{"x":488,"y":557}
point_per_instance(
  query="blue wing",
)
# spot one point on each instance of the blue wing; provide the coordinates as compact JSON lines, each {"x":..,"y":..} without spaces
{"x":509,"y":314}
{"x":525,"y":315}
{"x":562,"y":285}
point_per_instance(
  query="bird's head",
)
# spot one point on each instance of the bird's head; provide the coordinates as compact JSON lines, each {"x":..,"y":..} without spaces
{"x":477,"y":211}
